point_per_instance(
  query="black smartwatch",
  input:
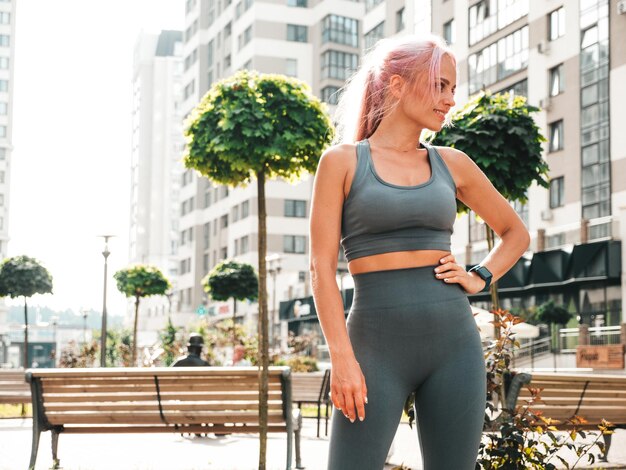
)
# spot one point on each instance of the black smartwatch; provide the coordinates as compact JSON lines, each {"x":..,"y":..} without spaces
{"x":484,"y":274}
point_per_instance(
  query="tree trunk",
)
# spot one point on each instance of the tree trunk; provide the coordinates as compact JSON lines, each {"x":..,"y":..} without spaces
{"x":263,"y":324}
{"x":134,"y":351}
{"x":234,"y":321}
{"x":493,"y":288}
{"x":26,"y":335}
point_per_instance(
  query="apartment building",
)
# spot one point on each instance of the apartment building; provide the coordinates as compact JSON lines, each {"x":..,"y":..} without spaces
{"x":565,"y":56}
{"x":317,"y":41}
{"x":7,"y":53}
{"x":156,"y":167}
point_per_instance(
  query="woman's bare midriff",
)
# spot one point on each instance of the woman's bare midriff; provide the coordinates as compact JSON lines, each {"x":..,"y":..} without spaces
{"x":395,"y":260}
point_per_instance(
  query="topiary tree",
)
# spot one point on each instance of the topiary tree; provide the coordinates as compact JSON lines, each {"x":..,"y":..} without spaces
{"x":550,"y":313}
{"x":22,"y":276}
{"x":230,"y":279}
{"x":499,"y":133}
{"x":140,"y":281}
{"x":257,"y":126}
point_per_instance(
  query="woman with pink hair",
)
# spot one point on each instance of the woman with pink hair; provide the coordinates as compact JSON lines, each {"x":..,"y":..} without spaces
{"x":389,"y":198}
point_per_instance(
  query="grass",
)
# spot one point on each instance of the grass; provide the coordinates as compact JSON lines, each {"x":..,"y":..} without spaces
{"x":15,"y":411}
{"x":310,"y":411}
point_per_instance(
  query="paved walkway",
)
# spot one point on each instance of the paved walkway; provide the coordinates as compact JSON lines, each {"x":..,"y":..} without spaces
{"x":175,"y":452}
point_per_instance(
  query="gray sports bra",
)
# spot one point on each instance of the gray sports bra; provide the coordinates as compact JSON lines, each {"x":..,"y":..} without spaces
{"x":381,"y":217}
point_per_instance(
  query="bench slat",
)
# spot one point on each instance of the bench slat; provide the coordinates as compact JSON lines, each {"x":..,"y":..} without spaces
{"x":149,"y":380}
{"x":155,"y":417}
{"x":219,"y":428}
{"x":235,"y":387}
{"x":152,"y":371}
{"x":274,"y":405}
{"x":204,"y":396}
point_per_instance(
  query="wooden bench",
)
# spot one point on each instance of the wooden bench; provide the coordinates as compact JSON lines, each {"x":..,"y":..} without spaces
{"x":312,"y":387}
{"x":13,"y":388}
{"x":593,"y":397}
{"x":142,"y":400}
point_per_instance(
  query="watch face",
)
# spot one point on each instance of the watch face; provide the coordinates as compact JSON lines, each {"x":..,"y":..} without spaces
{"x":483,"y":272}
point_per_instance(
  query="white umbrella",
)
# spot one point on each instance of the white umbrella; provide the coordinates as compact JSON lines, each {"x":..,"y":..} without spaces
{"x":483,"y":317}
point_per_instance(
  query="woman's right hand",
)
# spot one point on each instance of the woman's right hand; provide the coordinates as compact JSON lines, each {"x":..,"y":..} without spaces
{"x":348,"y":391}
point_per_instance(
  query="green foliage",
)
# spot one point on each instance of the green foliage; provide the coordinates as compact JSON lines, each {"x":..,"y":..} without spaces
{"x":119,"y":344}
{"x":230,"y":279}
{"x":550,"y":313}
{"x":251,"y":123}
{"x":141,"y":281}
{"x":299,"y":363}
{"x":224,"y":335}
{"x":504,"y":141}
{"x":171,"y":343}
{"x":85,"y":355}
{"x":24,"y":276}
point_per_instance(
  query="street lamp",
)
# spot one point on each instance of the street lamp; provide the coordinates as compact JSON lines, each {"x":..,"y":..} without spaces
{"x":103,"y":332}
{"x":85,"y":312}
{"x":274,"y":268}
{"x":55,"y":321}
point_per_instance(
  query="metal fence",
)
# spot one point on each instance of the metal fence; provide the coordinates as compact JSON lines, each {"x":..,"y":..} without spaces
{"x":598,"y":335}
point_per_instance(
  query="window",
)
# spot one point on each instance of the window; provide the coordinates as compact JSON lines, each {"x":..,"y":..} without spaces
{"x":5,"y":41}
{"x":245,"y":209}
{"x":331,"y":94}
{"x":556,"y":80}
{"x":338,"y":65}
{"x":291,"y":67}
{"x":371,"y":4}
{"x":449,"y":32}
{"x":498,"y":60}
{"x":228,"y":29}
{"x":227,"y":61}
{"x":340,"y":30}
{"x":224,"y":252}
{"x":5,"y":18}
{"x":518,"y":89}
{"x":205,"y":263}
{"x":556,"y":136}
{"x":207,"y":197}
{"x":4,"y":85}
{"x":247,"y":35}
{"x":297,"y":3}
{"x":243,"y":244}
{"x":3,"y":131}
{"x":400,"y":19}
{"x":556,"y":25}
{"x":238,"y":10}
{"x":3,"y":153}
{"x":1,"y":200}
{"x":476,"y":228}
{"x":297,"y":33}
{"x":224,"y":221}
{"x":374,"y":35}
{"x":488,"y":16}
{"x":189,"y":89}
{"x":247,"y":4}
{"x":210,"y":53}
{"x":294,"y":243}
{"x":1,"y":177}
{"x":206,"y":235}
{"x":295,"y":208}
{"x":4,"y":62}
{"x":235,"y":213}
{"x":557,"y":190}
{"x":3,"y":108}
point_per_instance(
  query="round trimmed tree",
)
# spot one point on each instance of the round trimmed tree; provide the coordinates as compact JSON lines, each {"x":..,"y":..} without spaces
{"x":254,"y":126}
{"x":140,"y":281}
{"x":22,"y":276}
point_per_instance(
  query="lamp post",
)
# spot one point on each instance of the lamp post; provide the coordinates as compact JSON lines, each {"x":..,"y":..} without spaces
{"x":103,"y":332}
{"x":85,"y":312}
{"x":274,"y":268}
{"x":55,"y":322}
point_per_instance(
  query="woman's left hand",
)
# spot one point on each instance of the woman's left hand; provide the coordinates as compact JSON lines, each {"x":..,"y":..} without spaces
{"x":450,"y":272}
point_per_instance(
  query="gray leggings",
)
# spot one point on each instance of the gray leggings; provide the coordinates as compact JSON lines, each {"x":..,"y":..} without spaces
{"x":413,"y":332}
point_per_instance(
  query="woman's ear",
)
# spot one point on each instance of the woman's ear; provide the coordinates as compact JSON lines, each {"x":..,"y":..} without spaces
{"x":396,"y":86}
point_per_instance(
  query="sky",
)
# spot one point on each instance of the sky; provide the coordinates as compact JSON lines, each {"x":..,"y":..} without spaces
{"x":70,"y":168}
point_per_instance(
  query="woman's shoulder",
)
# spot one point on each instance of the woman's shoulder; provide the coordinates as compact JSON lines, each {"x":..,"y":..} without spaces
{"x":339,"y":155}
{"x":454,"y":158}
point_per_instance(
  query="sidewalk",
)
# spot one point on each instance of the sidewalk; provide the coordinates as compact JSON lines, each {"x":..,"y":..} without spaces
{"x":233,"y":452}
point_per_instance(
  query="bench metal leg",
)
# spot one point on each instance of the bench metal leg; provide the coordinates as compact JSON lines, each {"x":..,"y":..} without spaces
{"x":35,"y":447}
{"x":319,"y":417}
{"x":56,"y":463}
{"x":297,"y":427}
